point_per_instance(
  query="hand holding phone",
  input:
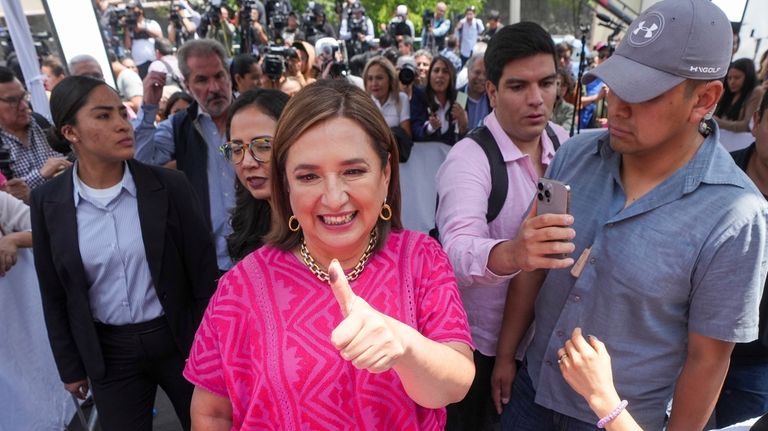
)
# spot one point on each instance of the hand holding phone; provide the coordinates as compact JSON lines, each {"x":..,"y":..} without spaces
{"x":554,"y":197}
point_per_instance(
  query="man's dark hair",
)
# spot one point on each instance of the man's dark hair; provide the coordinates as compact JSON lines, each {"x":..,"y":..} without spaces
{"x":6,"y":75}
{"x":511,"y":42}
{"x":164,"y":46}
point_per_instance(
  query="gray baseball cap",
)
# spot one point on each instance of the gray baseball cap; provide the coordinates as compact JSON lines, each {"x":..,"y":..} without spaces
{"x":670,"y":42}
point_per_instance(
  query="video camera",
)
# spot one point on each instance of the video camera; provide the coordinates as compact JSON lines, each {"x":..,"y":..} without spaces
{"x":326,"y":48}
{"x":398,"y":27}
{"x":277,"y":14}
{"x":274,"y":60}
{"x":427,"y":18}
{"x":5,"y":163}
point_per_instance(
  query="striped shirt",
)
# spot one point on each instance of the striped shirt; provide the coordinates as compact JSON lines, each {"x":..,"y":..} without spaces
{"x":120,"y":287}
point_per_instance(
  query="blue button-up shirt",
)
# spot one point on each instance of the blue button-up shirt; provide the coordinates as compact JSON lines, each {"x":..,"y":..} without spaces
{"x":688,"y":256}
{"x":156,"y":146}
{"x":120,"y":287}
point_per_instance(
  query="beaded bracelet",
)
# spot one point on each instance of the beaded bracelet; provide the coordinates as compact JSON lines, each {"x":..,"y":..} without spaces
{"x":612,"y":415}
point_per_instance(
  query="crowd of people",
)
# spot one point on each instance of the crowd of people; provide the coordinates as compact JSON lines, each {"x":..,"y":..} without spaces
{"x":228,"y":226}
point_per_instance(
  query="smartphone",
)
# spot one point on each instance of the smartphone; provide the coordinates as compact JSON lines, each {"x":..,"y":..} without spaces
{"x":554,"y":197}
{"x":461,"y":99}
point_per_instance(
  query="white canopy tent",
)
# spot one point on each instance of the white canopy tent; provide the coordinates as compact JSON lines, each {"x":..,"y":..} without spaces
{"x":21,"y":36}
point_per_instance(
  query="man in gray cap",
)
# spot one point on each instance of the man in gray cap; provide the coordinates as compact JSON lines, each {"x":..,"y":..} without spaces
{"x":667,"y":241}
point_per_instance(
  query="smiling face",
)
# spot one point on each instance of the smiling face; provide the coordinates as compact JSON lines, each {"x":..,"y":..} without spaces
{"x":377,"y":82}
{"x":422,"y":66}
{"x":248,"y":123}
{"x":525,"y":97}
{"x":209,"y":83}
{"x":15,"y":112}
{"x":102,"y":132}
{"x":336,"y":191}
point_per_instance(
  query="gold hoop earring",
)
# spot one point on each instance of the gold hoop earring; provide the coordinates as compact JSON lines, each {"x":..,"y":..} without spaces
{"x":292,"y":219}
{"x":386,"y":212}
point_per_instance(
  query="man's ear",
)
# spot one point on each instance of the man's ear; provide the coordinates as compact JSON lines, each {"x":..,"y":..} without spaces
{"x":705,"y":98}
{"x":491,"y":89}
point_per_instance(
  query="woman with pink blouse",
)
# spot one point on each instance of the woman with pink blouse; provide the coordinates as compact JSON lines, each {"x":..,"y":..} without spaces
{"x":343,"y":320}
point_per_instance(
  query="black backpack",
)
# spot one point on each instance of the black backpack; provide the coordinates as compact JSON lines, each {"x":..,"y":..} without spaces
{"x":499,"y":179}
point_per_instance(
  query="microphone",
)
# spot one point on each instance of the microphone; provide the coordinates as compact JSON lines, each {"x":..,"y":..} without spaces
{"x":603,"y":17}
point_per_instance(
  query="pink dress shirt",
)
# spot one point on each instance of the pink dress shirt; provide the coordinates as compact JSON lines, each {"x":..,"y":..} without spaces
{"x":463,"y":184}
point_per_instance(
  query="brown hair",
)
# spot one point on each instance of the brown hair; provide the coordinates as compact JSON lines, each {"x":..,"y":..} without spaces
{"x":315,"y":104}
{"x":393,"y":88}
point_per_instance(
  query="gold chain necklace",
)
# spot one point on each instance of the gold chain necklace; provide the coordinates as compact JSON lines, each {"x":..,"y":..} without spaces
{"x":321,"y":274}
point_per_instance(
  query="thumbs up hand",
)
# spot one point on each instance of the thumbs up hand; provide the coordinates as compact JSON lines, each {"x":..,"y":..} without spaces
{"x":366,"y":337}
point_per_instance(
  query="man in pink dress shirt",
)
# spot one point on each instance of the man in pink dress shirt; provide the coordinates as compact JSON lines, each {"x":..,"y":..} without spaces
{"x":521,"y":69}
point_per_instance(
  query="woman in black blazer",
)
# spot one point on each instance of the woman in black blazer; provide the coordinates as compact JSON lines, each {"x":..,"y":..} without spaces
{"x":125,"y":262}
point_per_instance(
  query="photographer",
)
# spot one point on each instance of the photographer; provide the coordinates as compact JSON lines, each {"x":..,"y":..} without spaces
{"x":213,"y":25}
{"x":435,"y":28}
{"x":139,"y":37}
{"x":400,"y":25}
{"x":356,"y":30}
{"x":277,"y":14}
{"x":315,"y":25}
{"x":292,"y":33}
{"x":182,"y":23}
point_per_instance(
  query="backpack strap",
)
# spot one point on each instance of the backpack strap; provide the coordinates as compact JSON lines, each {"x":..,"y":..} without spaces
{"x":552,"y":137}
{"x":499,"y":179}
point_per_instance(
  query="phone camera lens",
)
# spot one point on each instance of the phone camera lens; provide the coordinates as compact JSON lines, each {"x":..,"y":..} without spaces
{"x":541,"y":186}
{"x":541,"y":197}
{"x":547,"y":194}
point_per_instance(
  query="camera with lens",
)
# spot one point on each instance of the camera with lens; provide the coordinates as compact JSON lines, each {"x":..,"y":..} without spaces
{"x":130,"y":19}
{"x":407,"y":74}
{"x":6,"y":162}
{"x":116,"y":15}
{"x":277,"y":14}
{"x":427,"y":18}
{"x":274,"y":60}
{"x":399,"y":27}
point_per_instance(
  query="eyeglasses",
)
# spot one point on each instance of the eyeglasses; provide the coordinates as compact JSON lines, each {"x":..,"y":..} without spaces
{"x":15,"y":101}
{"x":260,"y":149}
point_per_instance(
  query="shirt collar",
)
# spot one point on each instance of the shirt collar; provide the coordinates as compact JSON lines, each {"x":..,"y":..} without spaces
{"x":126,"y":182}
{"x":509,"y":150}
{"x":706,"y":166}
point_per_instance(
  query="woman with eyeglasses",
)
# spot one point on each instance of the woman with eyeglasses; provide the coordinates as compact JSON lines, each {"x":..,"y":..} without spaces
{"x":251,"y":123}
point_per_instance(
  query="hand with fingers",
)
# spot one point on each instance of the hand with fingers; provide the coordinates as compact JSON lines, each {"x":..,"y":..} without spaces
{"x":79,"y":389}
{"x":586,"y":367}
{"x":8,"y":253}
{"x":539,"y":242}
{"x":153,"y":87}
{"x":502,"y":377}
{"x":366,"y":338}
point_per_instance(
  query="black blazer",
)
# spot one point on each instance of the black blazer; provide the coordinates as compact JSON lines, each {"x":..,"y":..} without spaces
{"x":179,"y":249}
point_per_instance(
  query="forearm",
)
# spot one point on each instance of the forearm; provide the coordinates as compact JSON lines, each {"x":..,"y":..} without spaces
{"x":603,"y":406}
{"x":433,"y":374}
{"x":501,"y":259}
{"x":20,"y":239}
{"x":210,"y":423}
{"x":698,"y":388}
{"x":518,"y":313}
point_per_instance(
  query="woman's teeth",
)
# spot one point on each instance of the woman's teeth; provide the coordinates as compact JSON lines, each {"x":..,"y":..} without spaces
{"x":338,"y":219}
